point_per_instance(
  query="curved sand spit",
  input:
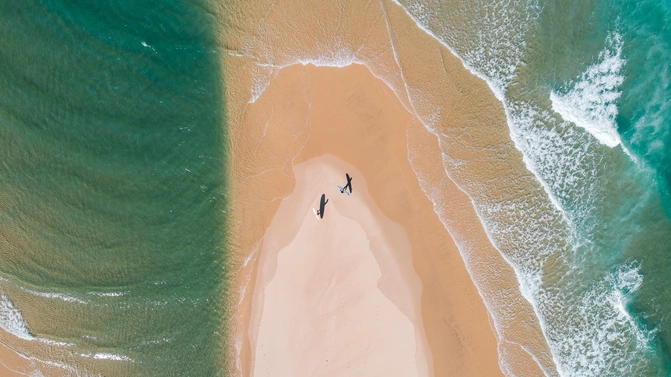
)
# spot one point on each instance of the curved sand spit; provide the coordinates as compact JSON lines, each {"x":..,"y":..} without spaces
{"x":308,"y":112}
{"x":394,"y":89}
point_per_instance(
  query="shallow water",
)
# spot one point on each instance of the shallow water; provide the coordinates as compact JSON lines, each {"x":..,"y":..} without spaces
{"x":112,"y":184}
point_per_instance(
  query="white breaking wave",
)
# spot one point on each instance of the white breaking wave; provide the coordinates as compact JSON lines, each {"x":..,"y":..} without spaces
{"x":108,"y":294}
{"x":56,"y":296}
{"x":49,"y":295}
{"x":343,"y":55}
{"x":261,"y":79}
{"x":106,"y":356}
{"x":592,"y":101}
{"x":111,"y":356}
{"x":11,"y":319}
{"x":588,"y":350}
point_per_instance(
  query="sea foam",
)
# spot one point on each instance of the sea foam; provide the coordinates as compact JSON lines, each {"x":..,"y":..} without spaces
{"x":55,"y":296}
{"x":111,"y":356}
{"x":591,"y":102}
{"x":339,"y":56}
{"x":603,"y":328}
{"x":11,"y":319}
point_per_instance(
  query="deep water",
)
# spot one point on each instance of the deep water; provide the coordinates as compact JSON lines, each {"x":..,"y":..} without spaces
{"x":112,"y":184}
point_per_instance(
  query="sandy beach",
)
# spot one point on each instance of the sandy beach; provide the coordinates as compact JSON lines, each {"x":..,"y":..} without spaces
{"x":369,"y":102}
{"x":336,"y":296}
{"x":355,"y":118}
{"x":13,"y":364}
{"x":162,"y":167}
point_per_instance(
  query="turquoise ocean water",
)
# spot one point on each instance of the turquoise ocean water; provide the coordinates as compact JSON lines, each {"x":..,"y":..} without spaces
{"x":587,"y":90}
{"x":112,"y":186}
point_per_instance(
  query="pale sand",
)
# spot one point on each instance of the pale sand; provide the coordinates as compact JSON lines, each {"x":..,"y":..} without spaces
{"x":336,"y":296}
{"x":282,"y":113}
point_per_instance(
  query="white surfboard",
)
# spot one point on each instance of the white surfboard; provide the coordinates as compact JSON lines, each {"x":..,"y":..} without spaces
{"x":343,"y":190}
{"x":316,"y":214}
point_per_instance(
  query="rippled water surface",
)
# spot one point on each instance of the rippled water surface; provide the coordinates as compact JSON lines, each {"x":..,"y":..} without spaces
{"x":111,"y":185}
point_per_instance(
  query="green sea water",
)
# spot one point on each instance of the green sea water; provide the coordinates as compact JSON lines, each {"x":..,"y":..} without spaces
{"x":112,"y":185}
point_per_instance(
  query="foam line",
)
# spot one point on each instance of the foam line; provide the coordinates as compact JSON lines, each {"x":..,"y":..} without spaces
{"x":111,"y":356}
{"x":339,"y":64}
{"x":37,"y":373}
{"x":398,"y":64}
{"x":522,"y":119}
{"x":49,"y":295}
{"x":11,"y":319}
{"x":56,"y":296}
{"x":461,"y":247}
{"x":564,"y":366}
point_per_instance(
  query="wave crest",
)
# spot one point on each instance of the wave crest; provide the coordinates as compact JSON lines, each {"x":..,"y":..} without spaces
{"x":591,"y":103}
{"x":11,"y":319}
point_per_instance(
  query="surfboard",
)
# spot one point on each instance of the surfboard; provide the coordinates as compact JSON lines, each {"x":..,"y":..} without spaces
{"x":322,"y":205}
{"x":316,"y":215}
{"x":343,"y":190}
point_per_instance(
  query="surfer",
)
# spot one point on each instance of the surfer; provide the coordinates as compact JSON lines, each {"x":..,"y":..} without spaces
{"x":322,"y":205}
{"x":343,"y":190}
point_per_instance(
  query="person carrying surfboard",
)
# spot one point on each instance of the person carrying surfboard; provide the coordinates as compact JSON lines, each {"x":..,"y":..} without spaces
{"x":343,"y":190}
{"x":322,"y":206}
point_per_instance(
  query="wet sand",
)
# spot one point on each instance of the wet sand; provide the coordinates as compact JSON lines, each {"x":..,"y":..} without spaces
{"x":12,"y":365}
